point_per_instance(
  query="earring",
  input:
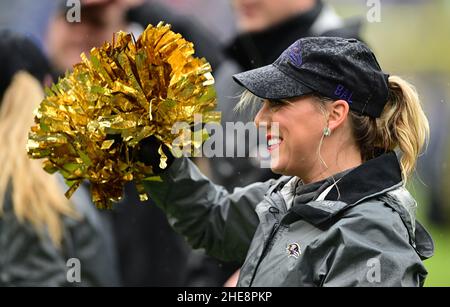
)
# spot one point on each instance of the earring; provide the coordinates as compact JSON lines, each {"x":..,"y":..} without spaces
{"x":326,"y":131}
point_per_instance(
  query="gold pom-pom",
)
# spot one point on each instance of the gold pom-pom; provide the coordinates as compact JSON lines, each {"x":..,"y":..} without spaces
{"x":91,"y":122}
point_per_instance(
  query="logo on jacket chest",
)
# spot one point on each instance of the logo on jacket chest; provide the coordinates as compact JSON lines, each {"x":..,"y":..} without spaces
{"x":293,"y":250}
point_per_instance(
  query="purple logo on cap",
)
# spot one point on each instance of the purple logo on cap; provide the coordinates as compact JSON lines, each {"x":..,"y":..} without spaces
{"x":343,"y":93}
{"x":295,"y":54}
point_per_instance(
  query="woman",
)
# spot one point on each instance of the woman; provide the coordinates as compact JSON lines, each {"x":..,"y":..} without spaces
{"x":341,"y":215}
{"x":41,"y":232}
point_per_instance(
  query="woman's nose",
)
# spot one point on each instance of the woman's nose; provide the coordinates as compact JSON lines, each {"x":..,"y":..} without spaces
{"x":262,"y":117}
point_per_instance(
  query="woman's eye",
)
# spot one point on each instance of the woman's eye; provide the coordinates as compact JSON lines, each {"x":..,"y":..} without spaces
{"x":275,"y":104}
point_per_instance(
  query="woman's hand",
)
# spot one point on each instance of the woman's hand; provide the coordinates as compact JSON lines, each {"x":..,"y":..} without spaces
{"x":148,"y":154}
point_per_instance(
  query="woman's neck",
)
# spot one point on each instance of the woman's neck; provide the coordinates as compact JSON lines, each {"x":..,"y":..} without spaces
{"x":329,"y":165}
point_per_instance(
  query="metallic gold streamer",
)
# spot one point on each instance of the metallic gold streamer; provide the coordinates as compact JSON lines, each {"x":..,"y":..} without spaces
{"x":91,"y":122}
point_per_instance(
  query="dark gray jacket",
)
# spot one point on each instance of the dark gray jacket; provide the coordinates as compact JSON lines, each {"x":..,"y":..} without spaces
{"x":363,"y":235}
{"x":27,"y":259}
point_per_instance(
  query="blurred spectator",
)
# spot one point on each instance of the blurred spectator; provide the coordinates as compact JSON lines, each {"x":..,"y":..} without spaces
{"x":99,"y":20}
{"x":40,"y":230}
{"x":150,"y":252}
{"x":215,"y":15}
{"x":206,"y":44}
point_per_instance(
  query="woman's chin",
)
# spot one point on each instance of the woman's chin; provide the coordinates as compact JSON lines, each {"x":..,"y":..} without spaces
{"x":276,"y":168}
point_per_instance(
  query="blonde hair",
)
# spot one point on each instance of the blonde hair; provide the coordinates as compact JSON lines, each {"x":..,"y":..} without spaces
{"x":248,"y":103}
{"x":36,"y":195}
{"x":402,"y":125}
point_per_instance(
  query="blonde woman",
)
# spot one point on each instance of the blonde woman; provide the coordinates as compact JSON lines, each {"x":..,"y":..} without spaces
{"x":43,"y":236}
{"x":340,"y":215}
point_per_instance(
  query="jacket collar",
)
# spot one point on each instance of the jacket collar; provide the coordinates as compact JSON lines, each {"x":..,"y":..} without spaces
{"x":372,"y":178}
{"x":404,"y":204}
{"x":380,"y":177}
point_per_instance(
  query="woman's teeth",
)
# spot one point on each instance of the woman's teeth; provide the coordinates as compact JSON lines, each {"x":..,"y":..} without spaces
{"x":273,"y":142}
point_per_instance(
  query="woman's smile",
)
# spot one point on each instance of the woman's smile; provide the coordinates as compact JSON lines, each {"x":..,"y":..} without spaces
{"x":273,"y":142}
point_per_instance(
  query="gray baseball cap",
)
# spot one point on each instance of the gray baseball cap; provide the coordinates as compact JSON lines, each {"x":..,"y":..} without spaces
{"x":334,"y":67}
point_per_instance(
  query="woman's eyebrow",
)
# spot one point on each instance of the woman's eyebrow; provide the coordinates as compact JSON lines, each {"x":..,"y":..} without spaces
{"x":278,"y":101}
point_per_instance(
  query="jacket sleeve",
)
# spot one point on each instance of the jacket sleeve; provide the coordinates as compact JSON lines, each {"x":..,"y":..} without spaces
{"x":367,"y":247}
{"x":211,"y":218}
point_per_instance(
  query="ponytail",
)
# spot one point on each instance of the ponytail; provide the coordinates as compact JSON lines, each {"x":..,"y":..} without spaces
{"x":402,"y":125}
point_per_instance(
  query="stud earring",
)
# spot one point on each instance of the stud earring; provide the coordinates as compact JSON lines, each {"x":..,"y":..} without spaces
{"x":326,"y":131}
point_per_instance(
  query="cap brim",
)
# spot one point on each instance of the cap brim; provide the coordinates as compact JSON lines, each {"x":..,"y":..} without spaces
{"x":269,"y":82}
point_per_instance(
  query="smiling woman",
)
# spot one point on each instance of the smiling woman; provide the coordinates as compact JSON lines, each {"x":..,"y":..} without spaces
{"x":341,"y":215}
{"x":257,"y":15}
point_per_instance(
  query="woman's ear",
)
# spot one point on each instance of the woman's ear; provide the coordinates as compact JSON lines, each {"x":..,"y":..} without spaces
{"x":337,"y":113}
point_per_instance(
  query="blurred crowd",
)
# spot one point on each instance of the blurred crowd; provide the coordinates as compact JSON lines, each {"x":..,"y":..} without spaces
{"x":133,"y":244}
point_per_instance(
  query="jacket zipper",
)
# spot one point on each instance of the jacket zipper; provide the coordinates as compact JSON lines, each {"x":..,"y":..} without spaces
{"x":269,"y":239}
